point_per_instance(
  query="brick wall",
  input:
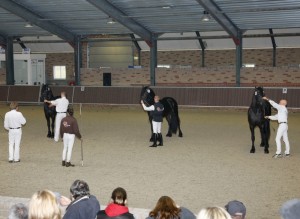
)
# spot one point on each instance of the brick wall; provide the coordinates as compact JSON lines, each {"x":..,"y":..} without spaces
{"x":218,"y":76}
{"x":219,"y":68}
{"x":66,"y":59}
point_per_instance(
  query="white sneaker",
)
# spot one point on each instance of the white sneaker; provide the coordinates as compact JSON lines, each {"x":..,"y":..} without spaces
{"x":277,"y":156}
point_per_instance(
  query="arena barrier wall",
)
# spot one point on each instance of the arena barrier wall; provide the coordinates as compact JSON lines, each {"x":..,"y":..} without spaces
{"x":238,"y":97}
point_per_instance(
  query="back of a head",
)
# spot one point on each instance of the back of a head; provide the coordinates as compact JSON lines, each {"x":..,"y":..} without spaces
{"x":70,"y":111}
{"x":119,"y":196}
{"x":18,"y":211}
{"x":291,"y":209}
{"x":236,"y":208}
{"x":165,"y":208}
{"x":43,"y":205}
{"x":79,"y":188}
{"x":13,"y":105}
{"x":213,"y":213}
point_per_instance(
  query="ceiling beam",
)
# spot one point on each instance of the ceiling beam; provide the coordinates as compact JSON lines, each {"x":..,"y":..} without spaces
{"x":37,"y":20}
{"x":212,"y":8}
{"x":122,"y":18}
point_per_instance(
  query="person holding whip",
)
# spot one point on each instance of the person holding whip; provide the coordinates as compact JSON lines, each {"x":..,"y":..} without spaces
{"x":68,"y":130}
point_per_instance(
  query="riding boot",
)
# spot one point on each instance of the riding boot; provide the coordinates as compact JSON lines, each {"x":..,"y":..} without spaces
{"x":160,"y":139}
{"x":154,"y":141}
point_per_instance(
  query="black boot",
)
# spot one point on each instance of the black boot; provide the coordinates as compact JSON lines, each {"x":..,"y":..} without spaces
{"x":160,"y":139}
{"x":69,"y":164}
{"x":154,"y":141}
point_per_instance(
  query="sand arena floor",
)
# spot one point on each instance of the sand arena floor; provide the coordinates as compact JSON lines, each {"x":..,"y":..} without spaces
{"x":209,"y":166}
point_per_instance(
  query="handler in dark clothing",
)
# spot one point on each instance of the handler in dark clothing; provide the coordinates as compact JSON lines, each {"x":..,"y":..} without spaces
{"x":83,"y":205}
{"x":157,"y":118}
{"x":68,"y":130}
{"x":117,"y":209}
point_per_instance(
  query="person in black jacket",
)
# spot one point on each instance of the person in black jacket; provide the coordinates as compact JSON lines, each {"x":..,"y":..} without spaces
{"x":83,"y":205}
{"x":157,"y":118}
{"x":117,"y":208}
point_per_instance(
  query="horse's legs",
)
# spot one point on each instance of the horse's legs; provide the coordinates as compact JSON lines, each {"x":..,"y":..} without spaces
{"x":264,"y":139}
{"x":168,"y":118}
{"x":180,"y":132}
{"x":52,"y":125}
{"x":48,"y":125}
{"x":252,"y":139}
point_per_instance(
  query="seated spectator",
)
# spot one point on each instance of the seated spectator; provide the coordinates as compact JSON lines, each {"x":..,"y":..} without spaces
{"x":83,"y":205}
{"x":18,"y":211}
{"x":117,"y":207}
{"x":290,"y":209}
{"x":166,"y":208}
{"x":213,"y":213}
{"x":43,"y":205}
{"x":236,"y":209}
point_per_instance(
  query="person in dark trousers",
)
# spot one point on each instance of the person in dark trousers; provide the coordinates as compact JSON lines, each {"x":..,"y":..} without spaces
{"x":117,"y":208}
{"x":157,"y":118}
{"x":68,"y":130}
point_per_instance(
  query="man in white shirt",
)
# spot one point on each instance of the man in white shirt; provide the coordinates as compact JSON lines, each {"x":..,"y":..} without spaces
{"x":282,"y":131}
{"x":61,"y":110}
{"x":13,"y":122}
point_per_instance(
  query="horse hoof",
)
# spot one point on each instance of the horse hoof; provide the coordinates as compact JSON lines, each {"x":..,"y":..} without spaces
{"x":180,"y":135}
{"x":169,"y":135}
{"x":266,"y":151}
{"x":252,"y":151}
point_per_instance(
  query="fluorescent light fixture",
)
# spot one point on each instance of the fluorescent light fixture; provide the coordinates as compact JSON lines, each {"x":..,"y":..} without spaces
{"x":111,"y":21}
{"x":28,"y":25}
{"x":205,"y":17}
{"x":167,"y":7}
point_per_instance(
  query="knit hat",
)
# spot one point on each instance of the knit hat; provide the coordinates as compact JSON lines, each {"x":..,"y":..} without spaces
{"x":235,"y":208}
{"x":291,"y":209}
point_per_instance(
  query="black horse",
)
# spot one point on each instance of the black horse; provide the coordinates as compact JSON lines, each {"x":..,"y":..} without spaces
{"x":50,"y":112}
{"x":170,"y":111}
{"x":257,"y":111}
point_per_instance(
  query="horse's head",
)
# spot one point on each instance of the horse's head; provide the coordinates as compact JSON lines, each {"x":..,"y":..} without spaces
{"x":258,"y":95}
{"x":147,"y":95}
{"x":46,"y":93}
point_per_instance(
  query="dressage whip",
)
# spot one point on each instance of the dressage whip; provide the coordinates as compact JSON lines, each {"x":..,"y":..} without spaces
{"x":81,"y":153}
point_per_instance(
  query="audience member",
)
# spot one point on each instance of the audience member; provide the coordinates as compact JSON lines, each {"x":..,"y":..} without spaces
{"x":18,"y":211}
{"x":290,"y":209}
{"x":83,"y":205}
{"x":236,"y":209}
{"x":43,"y":205}
{"x":166,"y":208}
{"x":213,"y":213}
{"x":117,"y":207}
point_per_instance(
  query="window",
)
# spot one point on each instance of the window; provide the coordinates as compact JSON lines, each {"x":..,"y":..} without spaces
{"x":163,"y":66}
{"x":59,"y":72}
{"x":249,"y":65}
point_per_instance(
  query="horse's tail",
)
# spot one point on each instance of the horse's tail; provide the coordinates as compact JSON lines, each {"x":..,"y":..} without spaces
{"x":267,"y":128}
{"x":175,"y":121}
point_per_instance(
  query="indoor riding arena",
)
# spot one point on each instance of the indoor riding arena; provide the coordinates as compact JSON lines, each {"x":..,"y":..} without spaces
{"x":210,"y":165}
{"x":218,"y":62}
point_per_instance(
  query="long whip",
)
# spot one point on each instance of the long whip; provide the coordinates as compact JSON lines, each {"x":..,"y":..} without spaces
{"x":81,"y":153}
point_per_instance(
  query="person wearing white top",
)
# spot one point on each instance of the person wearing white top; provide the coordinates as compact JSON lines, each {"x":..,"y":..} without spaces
{"x":282,"y":131}
{"x":13,"y":122}
{"x":61,"y":104}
